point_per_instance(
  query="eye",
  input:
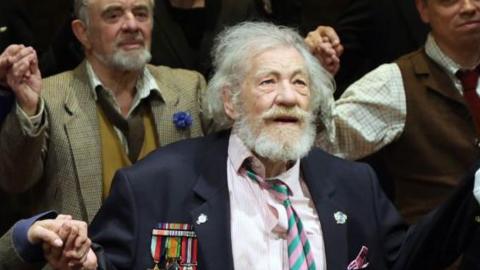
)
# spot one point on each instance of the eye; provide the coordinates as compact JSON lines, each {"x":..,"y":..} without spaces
{"x":267,"y":82}
{"x":112,"y":15}
{"x":447,"y":2}
{"x":300,"y":82}
{"x":142,"y":14}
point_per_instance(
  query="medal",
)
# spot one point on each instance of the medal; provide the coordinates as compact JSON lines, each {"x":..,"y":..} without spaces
{"x":174,"y":246}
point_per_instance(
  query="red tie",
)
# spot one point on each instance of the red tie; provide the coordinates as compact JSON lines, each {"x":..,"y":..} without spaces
{"x":469,"y":79}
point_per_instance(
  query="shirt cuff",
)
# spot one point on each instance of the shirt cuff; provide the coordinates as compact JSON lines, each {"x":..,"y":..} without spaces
{"x":28,"y":252}
{"x":31,"y":124}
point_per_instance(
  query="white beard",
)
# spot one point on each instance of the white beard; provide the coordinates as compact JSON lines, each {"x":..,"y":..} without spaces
{"x":127,"y":61}
{"x":277,"y":144}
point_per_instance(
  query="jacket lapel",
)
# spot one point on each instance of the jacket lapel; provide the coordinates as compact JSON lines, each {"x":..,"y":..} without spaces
{"x":81,"y":126}
{"x":322,"y":189}
{"x":163,"y":107}
{"x":214,"y":234}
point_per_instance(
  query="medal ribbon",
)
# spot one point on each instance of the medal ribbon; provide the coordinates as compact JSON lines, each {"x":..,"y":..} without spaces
{"x":175,"y":241}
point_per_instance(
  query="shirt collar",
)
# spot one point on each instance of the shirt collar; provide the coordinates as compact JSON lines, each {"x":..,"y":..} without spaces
{"x":146,"y":84}
{"x":436,"y":54}
{"x":238,"y":153}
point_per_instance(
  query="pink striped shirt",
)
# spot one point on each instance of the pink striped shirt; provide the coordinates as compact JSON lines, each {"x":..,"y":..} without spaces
{"x":259,"y":221}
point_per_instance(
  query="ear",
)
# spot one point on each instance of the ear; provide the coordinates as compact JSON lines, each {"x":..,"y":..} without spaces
{"x":228,"y":105}
{"x":422,"y":7}
{"x":80,"y":30}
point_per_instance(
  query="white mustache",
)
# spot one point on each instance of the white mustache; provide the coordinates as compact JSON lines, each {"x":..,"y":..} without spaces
{"x":284,"y":112}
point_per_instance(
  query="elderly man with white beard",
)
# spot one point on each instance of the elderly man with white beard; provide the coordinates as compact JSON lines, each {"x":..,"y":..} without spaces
{"x":258,"y":195}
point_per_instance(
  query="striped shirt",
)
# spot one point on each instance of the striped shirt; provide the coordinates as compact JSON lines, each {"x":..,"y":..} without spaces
{"x":259,"y":221}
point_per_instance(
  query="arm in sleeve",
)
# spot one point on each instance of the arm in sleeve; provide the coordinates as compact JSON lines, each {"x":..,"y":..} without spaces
{"x":23,"y":148}
{"x":15,"y":250}
{"x":369,"y":115}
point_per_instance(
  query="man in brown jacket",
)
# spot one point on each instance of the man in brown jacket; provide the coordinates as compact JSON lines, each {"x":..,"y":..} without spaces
{"x":68,"y":134}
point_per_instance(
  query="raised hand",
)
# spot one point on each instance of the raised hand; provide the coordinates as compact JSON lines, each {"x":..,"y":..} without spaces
{"x":19,"y":70}
{"x":325,"y":44}
{"x":6,"y":61}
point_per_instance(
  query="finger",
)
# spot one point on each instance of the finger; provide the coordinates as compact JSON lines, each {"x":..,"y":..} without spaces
{"x":5,"y":58}
{"x":72,"y":235}
{"x":91,"y":261}
{"x":316,"y":39}
{"x":38,"y":234}
{"x":35,"y":70}
{"x":13,"y":49}
{"x":81,"y":252}
{"x":10,"y":52}
{"x":326,"y":50}
{"x":20,"y":69}
{"x":52,"y":254}
{"x":338,"y":49}
{"x":64,"y":232}
{"x":79,"y":249}
{"x":63,"y":217}
{"x":25,"y":52}
{"x":329,"y":32}
{"x":25,"y":62}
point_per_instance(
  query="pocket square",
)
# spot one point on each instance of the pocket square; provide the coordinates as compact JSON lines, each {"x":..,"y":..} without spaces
{"x":361,"y":261}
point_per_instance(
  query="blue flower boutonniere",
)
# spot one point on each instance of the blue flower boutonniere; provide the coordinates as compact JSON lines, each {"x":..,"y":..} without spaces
{"x":182,"y":120}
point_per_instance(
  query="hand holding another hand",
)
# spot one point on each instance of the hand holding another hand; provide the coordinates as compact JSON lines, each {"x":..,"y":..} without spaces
{"x":65,"y":243}
{"x":19,"y":70}
{"x":325,"y":45}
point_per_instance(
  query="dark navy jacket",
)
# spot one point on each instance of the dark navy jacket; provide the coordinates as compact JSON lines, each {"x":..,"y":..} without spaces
{"x":179,"y":182}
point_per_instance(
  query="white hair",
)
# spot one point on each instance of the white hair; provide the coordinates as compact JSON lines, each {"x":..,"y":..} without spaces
{"x":80,"y":10}
{"x":232,"y":55}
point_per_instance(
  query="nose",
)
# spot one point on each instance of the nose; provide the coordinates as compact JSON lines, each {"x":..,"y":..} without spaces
{"x":286,"y":94}
{"x":469,"y":6}
{"x":129,"y":22}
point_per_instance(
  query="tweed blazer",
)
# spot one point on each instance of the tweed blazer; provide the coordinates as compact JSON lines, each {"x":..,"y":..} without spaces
{"x":60,"y":166}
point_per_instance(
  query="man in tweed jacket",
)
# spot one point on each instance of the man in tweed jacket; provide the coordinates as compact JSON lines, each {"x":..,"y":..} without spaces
{"x":50,"y":145}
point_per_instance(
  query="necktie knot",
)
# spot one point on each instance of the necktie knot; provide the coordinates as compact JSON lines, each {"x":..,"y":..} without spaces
{"x":280,"y":189}
{"x":468,"y":78}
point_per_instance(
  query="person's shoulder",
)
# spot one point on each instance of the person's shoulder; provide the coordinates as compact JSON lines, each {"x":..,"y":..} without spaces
{"x":319,"y":154}
{"x":59,"y":77}
{"x":411,"y":56}
{"x":183,"y":154}
{"x":347,"y":171}
{"x":177,"y":75}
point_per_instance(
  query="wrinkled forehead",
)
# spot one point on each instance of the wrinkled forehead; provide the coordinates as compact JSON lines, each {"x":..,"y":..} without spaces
{"x":278,"y":61}
{"x":106,"y":4}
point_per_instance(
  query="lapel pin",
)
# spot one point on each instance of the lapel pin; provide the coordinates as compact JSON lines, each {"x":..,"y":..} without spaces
{"x":340,"y":217}
{"x":3,"y":29}
{"x":201,"y":219}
